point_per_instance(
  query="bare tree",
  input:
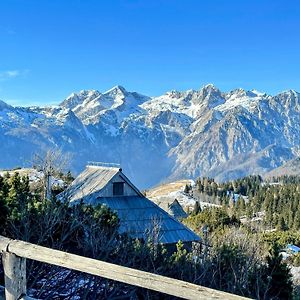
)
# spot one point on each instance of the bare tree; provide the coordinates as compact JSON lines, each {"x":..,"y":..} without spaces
{"x":51,"y":163}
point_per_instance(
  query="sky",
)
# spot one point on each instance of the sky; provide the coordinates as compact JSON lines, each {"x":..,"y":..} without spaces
{"x":49,"y":49}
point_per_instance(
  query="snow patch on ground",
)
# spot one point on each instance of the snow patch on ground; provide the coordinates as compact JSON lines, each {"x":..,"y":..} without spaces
{"x":34,"y":176}
{"x":175,"y":190}
{"x":295,"y":271}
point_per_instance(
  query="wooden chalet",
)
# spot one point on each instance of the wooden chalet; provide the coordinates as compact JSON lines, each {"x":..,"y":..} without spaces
{"x":139,"y":216}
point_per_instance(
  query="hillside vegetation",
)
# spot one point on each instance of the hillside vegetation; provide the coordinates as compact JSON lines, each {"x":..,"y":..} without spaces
{"x":233,"y":257}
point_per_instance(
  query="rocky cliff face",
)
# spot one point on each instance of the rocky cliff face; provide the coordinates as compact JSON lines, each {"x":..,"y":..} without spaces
{"x":176,"y":135}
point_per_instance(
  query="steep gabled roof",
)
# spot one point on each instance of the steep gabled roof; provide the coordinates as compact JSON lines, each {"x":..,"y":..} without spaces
{"x":92,"y":180}
{"x":176,"y":210}
{"x":125,"y":178}
{"x":138,"y":215}
{"x":173,"y":208}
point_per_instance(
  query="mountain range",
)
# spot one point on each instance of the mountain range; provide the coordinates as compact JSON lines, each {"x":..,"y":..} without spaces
{"x":178,"y":135}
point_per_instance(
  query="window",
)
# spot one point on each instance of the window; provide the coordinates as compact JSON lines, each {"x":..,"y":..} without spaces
{"x":118,"y":188}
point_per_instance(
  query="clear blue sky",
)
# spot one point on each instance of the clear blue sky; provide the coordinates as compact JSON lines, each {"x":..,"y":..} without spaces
{"x":49,"y":49}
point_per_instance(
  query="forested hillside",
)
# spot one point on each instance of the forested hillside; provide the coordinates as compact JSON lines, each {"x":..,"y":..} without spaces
{"x":267,"y":211}
{"x":233,"y":257}
{"x":277,"y":199}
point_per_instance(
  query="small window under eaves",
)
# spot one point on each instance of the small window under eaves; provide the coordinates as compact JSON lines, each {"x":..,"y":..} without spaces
{"x":118,"y":188}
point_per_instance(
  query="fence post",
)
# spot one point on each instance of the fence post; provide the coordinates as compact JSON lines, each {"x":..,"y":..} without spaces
{"x":14,"y":276}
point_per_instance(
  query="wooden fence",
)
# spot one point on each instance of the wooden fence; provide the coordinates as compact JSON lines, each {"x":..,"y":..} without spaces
{"x":15,"y":253}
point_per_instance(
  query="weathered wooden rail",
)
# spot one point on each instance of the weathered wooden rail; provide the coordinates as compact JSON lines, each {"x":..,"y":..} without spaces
{"x":15,"y":253}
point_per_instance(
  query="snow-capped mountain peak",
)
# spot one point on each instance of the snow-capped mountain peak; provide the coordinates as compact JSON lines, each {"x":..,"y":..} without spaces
{"x":211,"y":95}
{"x":178,"y":134}
{"x":91,"y":105}
{"x":117,"y":90}
{"x":209,"y":88}
{"x":258,"y":93}
{"x":248,"y":100}
{"x":76,"y":99}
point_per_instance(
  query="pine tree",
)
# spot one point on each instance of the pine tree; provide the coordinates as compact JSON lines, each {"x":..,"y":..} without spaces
{"x":281,"y":224}
{"x":278,"y":276}
{"x":296,"y":224}
{"x":13,"y":195}
{"x":197,"y":208}
{"x":186,"y":189}
{"x":199,"y":185}
{"x":3,"y":213}
{"x":240,"y":206}
{"x":4,"y":187}
{"x":68,"y":177}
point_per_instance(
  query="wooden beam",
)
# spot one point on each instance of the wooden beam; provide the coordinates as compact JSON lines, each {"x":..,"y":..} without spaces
{"x":126,"y":275}
{"x":4,"y":243}
{"x":14,"y":276}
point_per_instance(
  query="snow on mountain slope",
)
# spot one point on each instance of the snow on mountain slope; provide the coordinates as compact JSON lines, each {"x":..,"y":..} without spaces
{"x":91,"y":106}
{"x":243,"y":133}
{"x":247,"y":99}
{"x":190,"y":103}
{"x":173,"y":136}
{"x":291,"y":167}
{"x":72,"y":101}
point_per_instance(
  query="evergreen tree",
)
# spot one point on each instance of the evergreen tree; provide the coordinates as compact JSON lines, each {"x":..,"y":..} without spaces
{"x":68,"y":177}
{"x":3,"y":195}
{"x":278,"y":276}
{"x":187,"y":189}
{"x":296,"y":224}
{"x":14,"y":195}
{"x":281,"y":224}
{"x":3,"y":214}
{"x":240,"y":206}
{"x":197,"y":208}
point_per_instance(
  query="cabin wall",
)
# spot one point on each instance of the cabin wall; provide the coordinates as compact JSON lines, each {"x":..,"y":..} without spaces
{"x":107,"y":191}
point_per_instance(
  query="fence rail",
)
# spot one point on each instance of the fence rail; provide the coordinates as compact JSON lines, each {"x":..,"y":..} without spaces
{"x":15,"y":253}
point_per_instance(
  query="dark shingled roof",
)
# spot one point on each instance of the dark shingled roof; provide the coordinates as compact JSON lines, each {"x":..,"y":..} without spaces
{"x":138,"y":215}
